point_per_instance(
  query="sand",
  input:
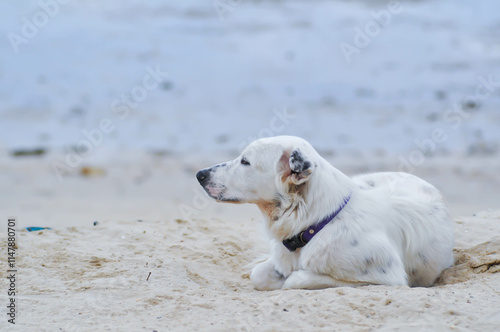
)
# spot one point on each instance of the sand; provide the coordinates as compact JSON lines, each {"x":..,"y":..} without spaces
{"x":145,"y":266}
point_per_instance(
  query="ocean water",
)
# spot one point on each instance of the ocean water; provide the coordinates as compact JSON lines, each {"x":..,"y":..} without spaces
{"x":361,"y":76}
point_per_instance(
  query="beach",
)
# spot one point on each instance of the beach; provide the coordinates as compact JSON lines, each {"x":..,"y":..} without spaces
{"x":108,"y":109}
{"x":158,"y":255}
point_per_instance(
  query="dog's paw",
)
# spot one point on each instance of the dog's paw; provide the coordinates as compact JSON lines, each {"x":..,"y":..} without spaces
{"x":265,"y":277}
{"x":297,"y":280}
{"x":304,"y":279}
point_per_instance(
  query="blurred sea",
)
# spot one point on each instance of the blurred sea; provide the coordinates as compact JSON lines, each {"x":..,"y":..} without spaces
{"x":358,"y":77}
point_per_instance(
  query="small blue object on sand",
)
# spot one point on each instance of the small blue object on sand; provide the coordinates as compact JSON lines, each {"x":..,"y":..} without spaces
{"x":34,"y":229}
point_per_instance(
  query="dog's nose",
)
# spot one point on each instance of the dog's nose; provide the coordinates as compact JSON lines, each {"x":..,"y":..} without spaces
{"x":202,"y":175}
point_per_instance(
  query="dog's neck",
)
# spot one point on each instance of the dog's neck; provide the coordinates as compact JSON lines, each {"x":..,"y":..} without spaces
{"x":307,"y":204}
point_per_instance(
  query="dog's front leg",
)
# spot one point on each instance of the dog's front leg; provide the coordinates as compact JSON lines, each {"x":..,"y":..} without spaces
{"x":265,"y":277}
{"x":303,"y":279}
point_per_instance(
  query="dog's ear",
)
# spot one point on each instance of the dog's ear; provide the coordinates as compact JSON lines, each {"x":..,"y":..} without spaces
{"x":294,"y":167}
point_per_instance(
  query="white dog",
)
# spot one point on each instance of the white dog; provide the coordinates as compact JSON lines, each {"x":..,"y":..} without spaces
{"x":330,"y":230}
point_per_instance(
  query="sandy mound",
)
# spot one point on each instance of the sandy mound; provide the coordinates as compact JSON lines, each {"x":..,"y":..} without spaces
{"x":190,"y":275}
{"x":483,"y":258}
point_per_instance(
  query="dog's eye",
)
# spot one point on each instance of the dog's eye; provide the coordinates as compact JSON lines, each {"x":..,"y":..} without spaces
{"x":245,"y":162}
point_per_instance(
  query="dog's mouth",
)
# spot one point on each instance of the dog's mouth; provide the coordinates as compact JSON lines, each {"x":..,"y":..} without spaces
{"x":228,"y":200}
{"x":214,"y":191}
{"x":218,"y":192}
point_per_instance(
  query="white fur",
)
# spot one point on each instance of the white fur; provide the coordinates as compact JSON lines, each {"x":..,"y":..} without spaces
{"x":395,"y":230}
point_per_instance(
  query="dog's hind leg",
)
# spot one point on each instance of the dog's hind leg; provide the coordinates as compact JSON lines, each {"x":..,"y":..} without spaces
{"x":304,"y":279}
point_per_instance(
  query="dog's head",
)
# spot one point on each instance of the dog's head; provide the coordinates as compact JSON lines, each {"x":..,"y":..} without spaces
{"x":266,"y":170}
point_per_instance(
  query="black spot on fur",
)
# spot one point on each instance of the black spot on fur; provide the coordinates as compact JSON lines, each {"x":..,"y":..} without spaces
{"x":298,"y":162}
{"x":364,"y":271}
{"x":369,"y":261}
{"x":370,"y":183}
{"x":217,"y":166}
{"x":414,"y":272}
{"x":279,"y":274}
{"x":423,"y":258}
{"x":354,"y":243}
{"x":277,"y":203}
{"x":382,"y":270}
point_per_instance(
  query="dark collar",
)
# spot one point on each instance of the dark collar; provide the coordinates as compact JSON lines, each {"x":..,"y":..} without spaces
{"x":301,"y":239}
